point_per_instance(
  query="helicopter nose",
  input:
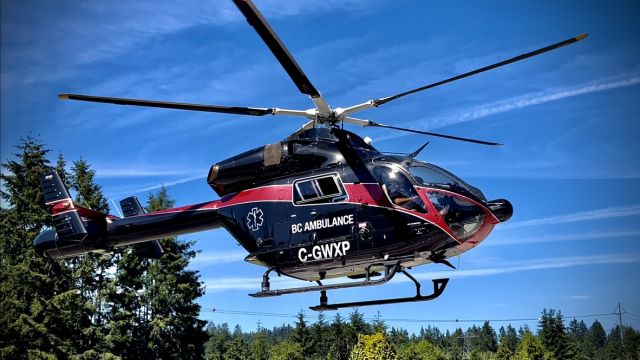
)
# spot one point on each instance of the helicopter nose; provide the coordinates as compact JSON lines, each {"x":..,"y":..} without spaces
{"x":501,"y":208}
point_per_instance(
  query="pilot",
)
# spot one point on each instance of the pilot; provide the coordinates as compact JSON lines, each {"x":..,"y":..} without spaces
{"x":441,"y":201}
{"x":402,"y":195}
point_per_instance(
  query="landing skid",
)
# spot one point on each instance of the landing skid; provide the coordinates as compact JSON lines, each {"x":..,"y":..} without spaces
{"x":390,"y":271}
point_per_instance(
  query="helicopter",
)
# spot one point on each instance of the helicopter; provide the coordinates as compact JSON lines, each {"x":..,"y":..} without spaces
{"x":321,"y":204}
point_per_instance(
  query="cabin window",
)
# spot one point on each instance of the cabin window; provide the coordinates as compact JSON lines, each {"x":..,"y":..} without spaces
{"x":319,"y":190}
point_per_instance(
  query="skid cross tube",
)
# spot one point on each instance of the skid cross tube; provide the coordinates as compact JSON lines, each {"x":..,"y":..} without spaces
{"x":438,"y":288}
{"x":390,"y":272}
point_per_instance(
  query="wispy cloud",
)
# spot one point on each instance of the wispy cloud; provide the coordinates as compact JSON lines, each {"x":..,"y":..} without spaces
{"x":519,"y":102}
{"x":518,"y":240}
{"x":599,"y":214}
{"x":215,"y":257}
{"x":152,"y":187}
{"x":138,"y":171}
{"x":537,"y":264}
{"x":71,"y":36}
{"x":579,"y":297}
{"x":246,"y":283}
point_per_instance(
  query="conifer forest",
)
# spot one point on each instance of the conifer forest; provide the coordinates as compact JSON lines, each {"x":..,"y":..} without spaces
{"x":121,"y":306}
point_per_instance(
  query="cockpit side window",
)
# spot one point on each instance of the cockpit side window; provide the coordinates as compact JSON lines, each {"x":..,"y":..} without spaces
{"x":399,"y":189}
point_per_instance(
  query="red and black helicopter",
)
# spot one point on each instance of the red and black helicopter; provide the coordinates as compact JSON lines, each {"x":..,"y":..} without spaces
{"x":321,"y":204}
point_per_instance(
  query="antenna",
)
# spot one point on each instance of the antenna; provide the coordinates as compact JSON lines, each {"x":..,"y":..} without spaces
{"x":116,"y":207}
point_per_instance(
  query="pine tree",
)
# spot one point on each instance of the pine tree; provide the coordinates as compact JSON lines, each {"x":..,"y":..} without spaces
{"x":488,"y":341}
{"x":531,"y":348}
{"x":320,"y":338}
{"x":238,"y":348}
{"x":89,"y":271}
{"x":553,"y":336}
{"x":38,"y":300}
{"x":455,"y":343}
{"x":378,"y":326}
{"x":597,"y":339}
{"x":340,"y":345}
{"x":510,"y":338}
{"x":219,"y":341}
{"x":170,"y":312}
{"x":503,"y":352}
{"x":259,"y":346}
{"x":578,"y":335}
{"x":301,"y":335}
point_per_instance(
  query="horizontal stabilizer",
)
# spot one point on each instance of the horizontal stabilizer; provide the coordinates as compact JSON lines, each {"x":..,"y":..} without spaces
{"x":131,"y":206}
{"x":53,"y":188}
{"x":150,"y":249}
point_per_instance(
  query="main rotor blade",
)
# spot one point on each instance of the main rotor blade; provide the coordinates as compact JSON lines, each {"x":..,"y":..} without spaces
{"x":378,"y":102}
{"x":278,"y":49}
{"x":171,"y":105}
{"x":363,"y":122}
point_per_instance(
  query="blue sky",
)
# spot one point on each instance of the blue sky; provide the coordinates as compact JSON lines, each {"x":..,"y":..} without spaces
{"x":568,"y":120}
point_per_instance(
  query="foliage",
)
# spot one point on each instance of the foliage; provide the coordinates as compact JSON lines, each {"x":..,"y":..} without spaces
{"x":531,"y":348}
{"x":420,"y":350}
{"x":373,"y":347}
{"x":553,"y":336}
{"x":301,"y":335}
{"x":92,"y":306}
{"x":286,"y":350}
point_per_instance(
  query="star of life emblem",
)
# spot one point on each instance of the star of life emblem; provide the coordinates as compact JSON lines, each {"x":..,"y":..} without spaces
{"x":255,"y":219}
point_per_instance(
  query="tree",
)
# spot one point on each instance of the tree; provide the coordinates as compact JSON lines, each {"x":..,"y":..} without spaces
{"x":169,"y":298}
{"x":454,"y":343}
{"x":320,"y":338}
{"x":301,"y":335}
{"x":286,"y":350}
{"x":238,"y":347}
{"x":508,"y":343}
{"x":373,"y":347}
{"x":398,"y":337}
{"x":510,"y":339}
{"x":340,"y":345}
{"x":553,"y":336}
{"x":420,"y":350}
{"x":218,"y":343}
{"x":89,"y":271}
{"x":378,"y":325}
{"x":259,"y":346}
{"x":578,"y":335}
{"x":487,"y":340}
{"x":531,"y":348}
{"x":40,"y":308}
{"x":504,"y":352}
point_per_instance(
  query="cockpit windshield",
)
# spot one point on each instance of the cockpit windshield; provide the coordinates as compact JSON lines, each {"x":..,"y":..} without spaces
{"x":431,"y":175}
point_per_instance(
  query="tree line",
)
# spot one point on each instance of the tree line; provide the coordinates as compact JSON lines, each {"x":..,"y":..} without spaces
{"x":122,"y":306}
{"x":356,"y":339}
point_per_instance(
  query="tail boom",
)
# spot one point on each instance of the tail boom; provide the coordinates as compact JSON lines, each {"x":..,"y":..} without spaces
{"x":79,"y":230}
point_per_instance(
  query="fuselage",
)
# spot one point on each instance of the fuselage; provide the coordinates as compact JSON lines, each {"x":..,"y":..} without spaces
{"x":370,"y":209}
{"x":320,"y":204}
